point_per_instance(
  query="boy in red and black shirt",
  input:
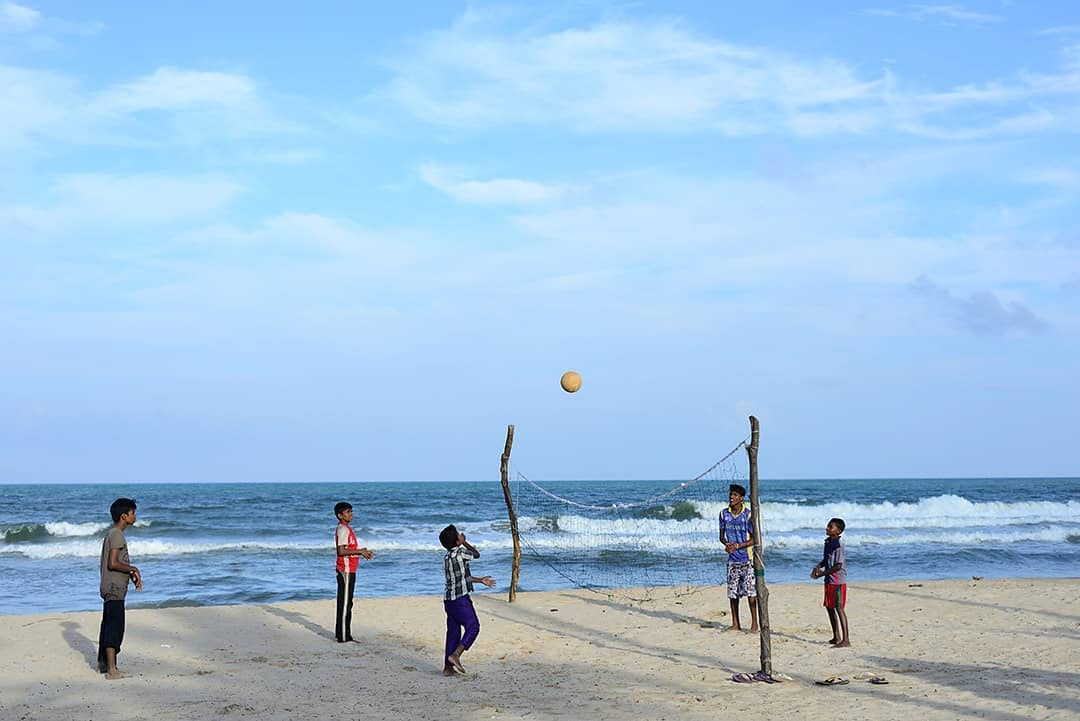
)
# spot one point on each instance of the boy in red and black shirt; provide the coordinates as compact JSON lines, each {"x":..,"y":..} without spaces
{"x":833,"y":567}
{"x":348,"y":560}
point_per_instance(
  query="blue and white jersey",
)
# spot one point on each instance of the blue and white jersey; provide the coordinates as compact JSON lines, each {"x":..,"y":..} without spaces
{"x":737,"y":529}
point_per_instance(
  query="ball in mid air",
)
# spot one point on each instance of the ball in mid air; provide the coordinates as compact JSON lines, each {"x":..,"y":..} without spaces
{"x":570,"y":381}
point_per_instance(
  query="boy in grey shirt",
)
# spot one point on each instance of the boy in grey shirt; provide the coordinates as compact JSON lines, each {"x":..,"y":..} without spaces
{"x":116,"y":573}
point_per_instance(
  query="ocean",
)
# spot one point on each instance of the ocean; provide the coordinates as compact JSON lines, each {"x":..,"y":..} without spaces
{"x":250,"y":543}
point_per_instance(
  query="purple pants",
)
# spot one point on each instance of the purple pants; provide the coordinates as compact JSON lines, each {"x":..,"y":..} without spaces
{"x":460,"y":613}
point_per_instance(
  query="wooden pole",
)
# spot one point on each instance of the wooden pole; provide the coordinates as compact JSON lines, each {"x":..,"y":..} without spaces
{"x":759,"y":561}
{"x":504,"y":472}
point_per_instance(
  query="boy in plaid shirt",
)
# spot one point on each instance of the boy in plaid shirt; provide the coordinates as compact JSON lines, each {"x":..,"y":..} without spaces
{"x":456,"y":601}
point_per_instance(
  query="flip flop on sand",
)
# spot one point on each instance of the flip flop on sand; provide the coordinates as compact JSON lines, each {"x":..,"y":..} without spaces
{"x":832,"y":681}
{"x":878,"y":680}
{"x":754,"y":678}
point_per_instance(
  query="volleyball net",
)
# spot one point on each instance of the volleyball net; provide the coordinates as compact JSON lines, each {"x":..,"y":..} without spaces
{"x":639,"y":541}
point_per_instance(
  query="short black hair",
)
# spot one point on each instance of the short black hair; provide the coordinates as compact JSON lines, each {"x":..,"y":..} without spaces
{"x":448,"y":537}
{"x":340,"y":508}
{"x":737,"y":489}
{"x":121,"y":506}
{"x":838,"y":522}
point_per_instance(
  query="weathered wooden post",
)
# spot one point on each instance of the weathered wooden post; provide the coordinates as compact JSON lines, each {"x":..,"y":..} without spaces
{"x":504,"y":469}
{"x":759,"y":561}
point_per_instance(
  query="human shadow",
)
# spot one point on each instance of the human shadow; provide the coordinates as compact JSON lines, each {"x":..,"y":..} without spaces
{"x":571,"y":629}
{"x":924,"y":596}
{"x":1004,"y":682}
{"x":300,"y":620}
{"x":680,"y":617}
{"x":79,"y":643}
{"x":643,"y":610}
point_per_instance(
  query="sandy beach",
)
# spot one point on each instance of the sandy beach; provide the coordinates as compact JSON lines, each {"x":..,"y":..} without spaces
{"x":1000,"y":649}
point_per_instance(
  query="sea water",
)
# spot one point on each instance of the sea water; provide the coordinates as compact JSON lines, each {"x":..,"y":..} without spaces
{"x":243,"y":543}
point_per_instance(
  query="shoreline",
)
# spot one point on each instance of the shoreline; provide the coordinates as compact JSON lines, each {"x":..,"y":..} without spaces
{"x":360,"y":597}
{"x":1001,"y":648}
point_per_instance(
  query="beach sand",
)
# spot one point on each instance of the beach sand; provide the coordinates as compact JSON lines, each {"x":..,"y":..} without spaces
{"x":996,"y":649}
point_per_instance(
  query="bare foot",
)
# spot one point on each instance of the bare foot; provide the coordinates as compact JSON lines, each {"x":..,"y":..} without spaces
{"x":754,"y":629}
{"x":732,"y":628}
{"x":455,"y":661}
{"x":843,"y":644}
{"x":834,"y":641}
{"x":449,"y":671}
{"x":113,"y":675}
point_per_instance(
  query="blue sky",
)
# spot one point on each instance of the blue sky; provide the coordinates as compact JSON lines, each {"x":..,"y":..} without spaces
{"x":270,"y":242}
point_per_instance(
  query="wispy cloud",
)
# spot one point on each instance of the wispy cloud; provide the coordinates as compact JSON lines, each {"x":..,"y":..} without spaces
{"x":16,"y":18}
{"x":1060,"y":178}
{"x":981,"y":313}
{"x":176,"y":89}
{"x":612,"y":76}
{"x":34,"y":104}
{"x":22,"y":20}
{"x":495,"y":191}
{"x":663,"y":77}
{"x":1060,"y":30}
{"x":170,"y":105}
{"x":92,"y":202}
{"x":952,"y":14}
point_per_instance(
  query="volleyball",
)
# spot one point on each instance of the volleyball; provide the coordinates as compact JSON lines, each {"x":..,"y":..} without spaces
{"x":570,"y":381}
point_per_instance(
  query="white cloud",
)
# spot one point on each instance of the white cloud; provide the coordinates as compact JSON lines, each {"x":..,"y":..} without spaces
{"x":497,"y":191}
{"x":338,"y":236}
{"x":40,"y":110}
{"x":613,"y":76}
{"x":18,"y":18}
{"x":1060,"y":30}
{"x":177,"y":89}
{"x":296,"y":237}
{"x":33,"y":103}
{"x":86,"y":199}
{"x":1061,"y":178}
{"x":636,"y":77}
{"x":951,"y":14}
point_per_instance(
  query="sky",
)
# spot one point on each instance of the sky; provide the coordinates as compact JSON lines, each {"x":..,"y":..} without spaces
{"x":342,"y":241}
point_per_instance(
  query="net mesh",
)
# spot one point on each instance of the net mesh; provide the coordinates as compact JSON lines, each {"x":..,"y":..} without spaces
{"x":627,"y":540}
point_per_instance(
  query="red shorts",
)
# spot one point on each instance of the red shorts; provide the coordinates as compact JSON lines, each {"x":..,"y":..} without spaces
{"x":835,"y":595}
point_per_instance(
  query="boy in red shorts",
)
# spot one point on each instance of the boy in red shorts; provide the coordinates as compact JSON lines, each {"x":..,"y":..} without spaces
{"x":834,"y":568}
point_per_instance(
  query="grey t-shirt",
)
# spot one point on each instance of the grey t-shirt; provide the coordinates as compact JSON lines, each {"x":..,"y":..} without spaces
{"x":114,"y":584}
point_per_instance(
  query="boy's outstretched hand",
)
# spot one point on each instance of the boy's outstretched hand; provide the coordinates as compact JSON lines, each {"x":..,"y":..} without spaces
{"x":816,"y":573}
{"x":487,"y":581}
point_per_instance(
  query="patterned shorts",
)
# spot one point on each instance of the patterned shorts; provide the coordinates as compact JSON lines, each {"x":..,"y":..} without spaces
{"x":740,"y":580}
{"x":835,"y":595}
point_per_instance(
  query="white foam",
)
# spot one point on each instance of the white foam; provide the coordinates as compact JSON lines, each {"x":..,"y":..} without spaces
{"x":63,"y":528}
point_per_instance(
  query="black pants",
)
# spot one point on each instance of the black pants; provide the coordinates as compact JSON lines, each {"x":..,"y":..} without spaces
{"x":112,"y":631}
{"x":346,"y":584}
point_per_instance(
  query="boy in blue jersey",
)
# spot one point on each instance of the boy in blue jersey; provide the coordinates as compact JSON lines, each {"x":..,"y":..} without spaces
{"x":737,"y":535}
{"x":833,"y":566}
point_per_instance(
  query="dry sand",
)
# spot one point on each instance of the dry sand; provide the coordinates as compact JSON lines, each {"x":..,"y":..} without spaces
{"x":1007,"y":650}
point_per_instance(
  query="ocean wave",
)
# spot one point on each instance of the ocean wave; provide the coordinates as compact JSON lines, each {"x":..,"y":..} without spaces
{"x":147,"y":548}
{"x":705,"y":543}
{"x":22,"y":533}
{"x":945,"y":512}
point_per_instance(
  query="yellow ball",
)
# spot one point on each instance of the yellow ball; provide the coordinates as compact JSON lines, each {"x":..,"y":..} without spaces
{"x":570,"y":381}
